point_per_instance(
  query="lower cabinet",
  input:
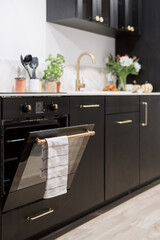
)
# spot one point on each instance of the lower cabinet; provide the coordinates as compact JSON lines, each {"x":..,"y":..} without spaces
{"x":121,"y":153}
{"x":88,"y":187}
{"x":149,"y":138}
{"x":129,"y":157}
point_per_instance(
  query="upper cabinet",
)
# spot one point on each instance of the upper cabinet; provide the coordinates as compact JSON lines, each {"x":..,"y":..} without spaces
{"x":98,"y":16}
{"x":125,"y":15}
{"x":100,"y":11}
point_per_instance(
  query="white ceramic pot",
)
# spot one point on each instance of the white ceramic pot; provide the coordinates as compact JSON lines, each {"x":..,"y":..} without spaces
{"x":35,"y":85}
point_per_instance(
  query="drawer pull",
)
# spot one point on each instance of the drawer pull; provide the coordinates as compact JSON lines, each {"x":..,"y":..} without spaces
{"x":124,"y":122}
{"x":41,"y":215}
{"x":90,"y":106}
{"x":146,"y":114}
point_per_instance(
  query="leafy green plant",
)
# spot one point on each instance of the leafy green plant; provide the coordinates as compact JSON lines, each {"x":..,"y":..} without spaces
{"x":55,"y":67}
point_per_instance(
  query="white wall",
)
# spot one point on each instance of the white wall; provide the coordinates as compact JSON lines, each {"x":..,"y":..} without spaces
{"x":24,"y":30}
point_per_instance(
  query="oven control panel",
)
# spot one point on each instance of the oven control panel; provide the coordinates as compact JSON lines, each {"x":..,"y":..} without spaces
{"x":29,"y":107}
{"x":39,"y":107}
{"x":26,"y":108}
{"x":53,"y":107}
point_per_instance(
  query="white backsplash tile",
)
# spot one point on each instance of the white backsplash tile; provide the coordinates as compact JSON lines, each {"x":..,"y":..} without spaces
{"x":94,"y":78}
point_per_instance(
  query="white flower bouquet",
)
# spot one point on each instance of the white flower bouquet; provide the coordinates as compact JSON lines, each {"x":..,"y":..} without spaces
{"x":122,"y":66}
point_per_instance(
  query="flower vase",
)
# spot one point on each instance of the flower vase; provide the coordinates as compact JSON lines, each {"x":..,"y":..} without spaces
{"x":122,"y":83}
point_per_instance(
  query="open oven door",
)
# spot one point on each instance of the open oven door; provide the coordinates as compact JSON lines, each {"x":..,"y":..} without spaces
{"x":27,"y":185}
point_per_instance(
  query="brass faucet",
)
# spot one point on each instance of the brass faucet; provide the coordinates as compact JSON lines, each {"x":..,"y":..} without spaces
{"x":78,"y":83}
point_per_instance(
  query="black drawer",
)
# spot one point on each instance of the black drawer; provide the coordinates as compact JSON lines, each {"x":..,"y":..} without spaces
{"x":86,"y":104}
{"x":16,"y":226}
{"x":121,"y":104}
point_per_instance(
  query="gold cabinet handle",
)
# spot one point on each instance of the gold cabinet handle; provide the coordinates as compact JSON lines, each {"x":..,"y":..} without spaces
{"x":146,"y":114}
{"x":41,"y":215}
{"x":90,"y":106}
{"x":124,"y":122}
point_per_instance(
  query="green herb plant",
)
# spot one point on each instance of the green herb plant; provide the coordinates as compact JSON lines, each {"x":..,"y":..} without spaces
{"x":55,"y":67}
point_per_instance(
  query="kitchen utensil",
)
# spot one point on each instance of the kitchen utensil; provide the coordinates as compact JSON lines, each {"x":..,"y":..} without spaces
{"x":25,"y":62}
{"x":27,"y":59}
{"x":34,"y":64}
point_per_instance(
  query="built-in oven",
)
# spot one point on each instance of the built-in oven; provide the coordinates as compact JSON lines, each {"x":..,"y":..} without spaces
{"x":24,"y":120}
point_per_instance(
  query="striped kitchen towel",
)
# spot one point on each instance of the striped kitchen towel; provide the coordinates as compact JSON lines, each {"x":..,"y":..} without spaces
{"x":54,"y":166}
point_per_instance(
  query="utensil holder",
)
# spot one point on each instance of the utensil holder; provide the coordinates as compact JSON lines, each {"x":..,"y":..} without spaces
{"x":35,"y":85}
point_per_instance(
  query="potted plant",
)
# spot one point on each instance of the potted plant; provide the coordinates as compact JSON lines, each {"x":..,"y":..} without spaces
{"x":54,"y":72}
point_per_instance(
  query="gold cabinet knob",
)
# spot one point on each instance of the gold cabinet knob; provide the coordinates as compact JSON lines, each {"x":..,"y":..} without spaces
{"x":97,"y":18}
{"x":129,"y":28}
{"x":101,"y":19}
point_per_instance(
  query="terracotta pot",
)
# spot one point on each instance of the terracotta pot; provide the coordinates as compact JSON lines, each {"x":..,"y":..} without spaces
{"x":51,"y":86}
{"x":58,"y":86}
{"x":20,"y":85}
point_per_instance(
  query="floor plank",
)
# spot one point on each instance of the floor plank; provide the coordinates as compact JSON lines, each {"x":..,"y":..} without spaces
{"x":135,"y":219}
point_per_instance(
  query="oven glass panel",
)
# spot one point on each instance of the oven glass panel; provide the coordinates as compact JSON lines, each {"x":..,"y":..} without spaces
{"x":31,"y":173}
{"x":15,"y":135}
{"x":28,"y":172}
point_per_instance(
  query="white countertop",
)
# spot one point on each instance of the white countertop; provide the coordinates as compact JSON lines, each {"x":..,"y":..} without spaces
{"x":80,"y":93}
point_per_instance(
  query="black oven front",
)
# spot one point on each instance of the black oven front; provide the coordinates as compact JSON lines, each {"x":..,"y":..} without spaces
{"x":22,"y":121}
{"x":20,"y":165}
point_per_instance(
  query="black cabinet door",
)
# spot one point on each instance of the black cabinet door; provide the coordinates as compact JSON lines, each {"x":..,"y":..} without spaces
{"x":101,"y":9}
{"x":88,"y":185}
{"x":126,"y":15}
{"x":132,"y":15}
{"x":84,"y":9}
{"x":94,"y":10}
{"x":149,"y":138}
{"x":88,"y":15}
{"x":121,"y":153}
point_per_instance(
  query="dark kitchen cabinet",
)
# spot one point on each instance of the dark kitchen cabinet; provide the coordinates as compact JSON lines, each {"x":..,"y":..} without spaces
{"x":126,"y":15}
{"x":149,"y":138}
{"x":88,"y":186}
{"x":121,"y":146}
{"x":101,"y":11}
{"x":89,"y":15}
{"x":91,"y":10}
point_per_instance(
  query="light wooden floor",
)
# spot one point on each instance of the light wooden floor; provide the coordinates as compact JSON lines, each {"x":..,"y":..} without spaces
{"x":136,"y":219}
